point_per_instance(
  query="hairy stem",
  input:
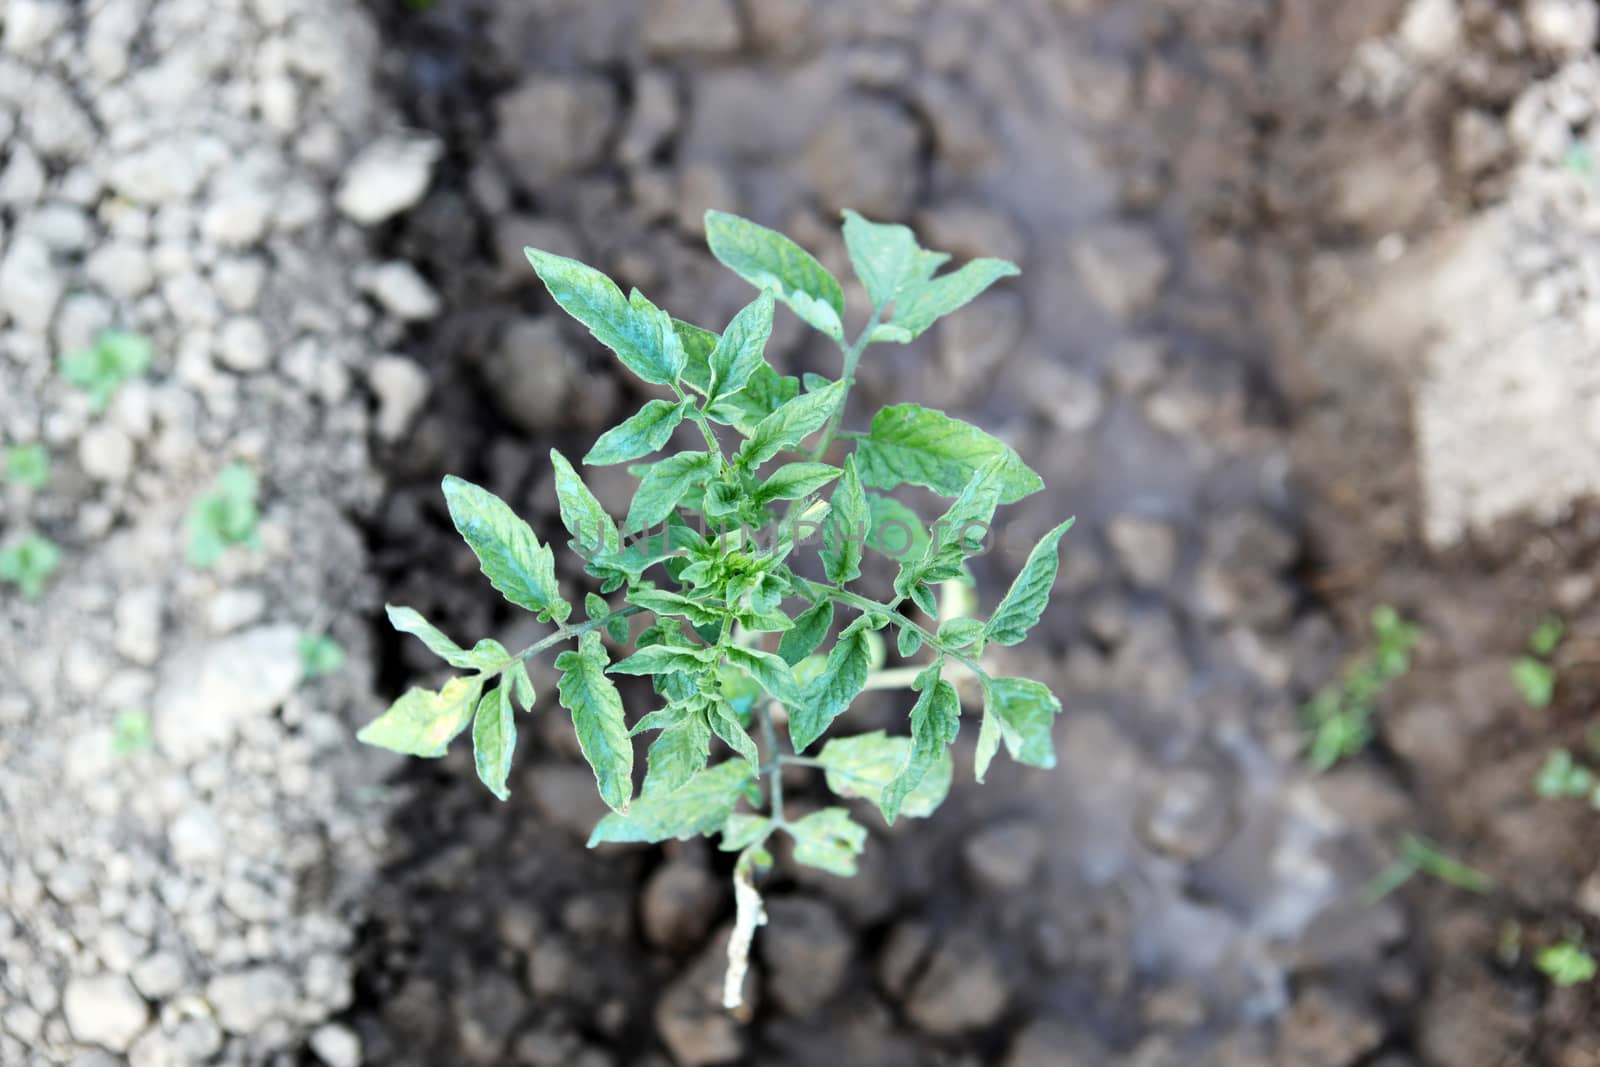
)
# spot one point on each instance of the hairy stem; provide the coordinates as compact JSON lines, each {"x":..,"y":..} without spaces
{"x":774,"y":765}
{"x":852,"y":357}
{"x":567,"y":633}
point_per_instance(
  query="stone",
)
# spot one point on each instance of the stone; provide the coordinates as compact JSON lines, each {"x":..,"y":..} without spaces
{"x":653,"y":118}
{"x":401,"y":388}
{"x":104,"y":1010}
{"x":137,"y":617}
{"x":807,"y":950}
{"x":1124,"y":268}
{"x":1146,"y":548}
{"x":62,"y":227}
{"x":81,"y":318}
{"x":1189,"y":815}
{"x":549,"y":127}
{"x":690,"y":1018}
{"x":207,"y":697}
{"x":1565,"y":29}
{"x":239,"y":216}
{"x":402,"y":292}
{"x":1003,"y":856}
{"x":23,"y":178}
{"x":861,"y":157}
{"x":532,"y":373}
{"x":166,"y":171}
{"x":1478,"y":142}
{"x":243,"y":346}
{"x":963,"y":988}
{"x":106,"y":453}
{"x":696,"y":28}
{"x":246,"y":1000}
{"x":160,"y":975}
{"x":387,"y":177}
{"x":196,"y":837}
{"x":1431,"y":30}
{"x":30,"y":284}
{"x":700,"y":188}
{"x":786,"y":28}
{"x":121,"y":268}
{"x":238,"y":281}
{"x":336,"y":1045}
{"x":231,"y":609}
{"x":679,"y":903}
{"x":30,"y":24}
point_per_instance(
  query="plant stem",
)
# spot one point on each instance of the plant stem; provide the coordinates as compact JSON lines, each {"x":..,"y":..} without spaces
{"x":852,"y":357}
{"x":865,"y":606}
{"x":774,"y":765}
{"x":567,"y":633}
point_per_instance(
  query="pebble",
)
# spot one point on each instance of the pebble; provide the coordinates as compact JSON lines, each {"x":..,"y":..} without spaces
{"x":696,"y":28}
{"x":23,"y":179}
{"x":205,"y":699}
{"x":336,"y":1046}
{"x":402,"y":291}
{"x":121,"y":268}
{"x":137,"y":618}
{"x":860,"y":157}
{"x":963,"y":988}
{"x":238,"y":217}
{"x":678,"y":905}
{"x":1146,"y":548}
{"x":1188,"y":816}
{"x":233,"y":608}
{"x":160,"y":975}
{"x":1431,"y":30}
{"x":550,"y":127}
{"x":1123,"y":267}
{"x":246,"y":1000}
{"x":30,"y":284}
{"x":1566,"y":29}
{"x":1003,"y":856}
{"x":531,"y":374}
{"x":387,"y":177}
{"x":243,"y":346}
{"x":401,"y":388}
{"x":106,"y":453}
{"x":807,"y":949}
{"x":104,"y":1010}
{"x":238,"y":281}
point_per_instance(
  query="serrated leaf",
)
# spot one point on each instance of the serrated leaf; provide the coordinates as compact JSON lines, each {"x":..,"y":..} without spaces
{"x":865,"y":765}
{"x":844,"y":532}
{"x":640,"y":334}
{"x":911,"y":444}
{"x":700,"y":806}
{"x":830,"y":693}
{"x":907,"y":642}
{"x":829,"y":840}
{"x":422,"y":722}
{"x":410,"y":621}
{"x":647,"y":431}
{"x":494,"y":738}
{"x":522,"y":569}
{"x":663,"y":602}
{"x":771,"y":671}
{"x":884,"y":256}
{"x":764,"y":393}
{"x":665,"y":484}
{"x":488,"y":655}
{"x":597,"y":716}
{"x":960,"y":633}
{"x":741,"y":349}
{"x":697,"y":345}
{"x":810,"y":627}
{"x":726,"y":725}
{"x":593,"y":530}
{"x":795,"y":481}
{"x":1024,"y":712}
{"x":896,"y":530}
{"x":663,"y":659}
{"x":521,"y":684}
{"x":769,"y":260}
{"x":789,"y":425}
{"x":959,"y":533}
{"x":919,"y":307}
{"x":922,"y":782}
{"x":988,"y":745}
{"x":1025,"y":601}
{"x":679,"y":752}
{"x":743,"y":830}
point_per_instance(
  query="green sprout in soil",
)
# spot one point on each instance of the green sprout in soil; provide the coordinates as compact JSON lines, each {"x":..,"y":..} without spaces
{"x":131,"y":733}
{"x":1534,"y":674}
{"x":225,"y":516}
{"x":320,"y":655}
{"x":28,"y":562}
{"x":100,"y":370}
{"x":1417,"y":856}
{"x":1566,"y":964}
{"x":1339,"y":717}
{"x":28,"y":465}
{"x":1579,"y":159}
{"x":1563,"y":777}
{"x":740,"y":551}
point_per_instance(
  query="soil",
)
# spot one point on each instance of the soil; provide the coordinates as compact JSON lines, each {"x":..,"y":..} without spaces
{"x":1179,"y":181}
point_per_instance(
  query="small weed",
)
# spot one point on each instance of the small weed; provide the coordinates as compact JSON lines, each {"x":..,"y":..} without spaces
{"x":1563,"y":776}
{"x":1533,"y":674}
{"x":319,"y":655}
{"x":1566,"y":964}
{"x":100,"y":370}
{"x":131,"y":732}
{"x":28,"y":465}
{"x":1418,"y":855}
{"x":28,"y":562}
{"x":225,"y":516}
{"x":1579,"y":159}
{"x":1340,"y":717}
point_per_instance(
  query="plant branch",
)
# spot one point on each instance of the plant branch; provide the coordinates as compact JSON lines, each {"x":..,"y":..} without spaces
{"x":865,"y":606}
{"x":567,"y":633}
{"x":852,"y":358}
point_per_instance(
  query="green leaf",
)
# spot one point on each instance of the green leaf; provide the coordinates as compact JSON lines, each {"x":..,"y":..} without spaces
{"x":593,"y":530}
{"x":494,"y":737}
{"x":922,"y":782}
{"x":844,"y":532}
{"x":810,"y":627}
{"x":646,"y":432}
{"x":320,"y":655}
{"x":764,"y":393}
{"x":923,"y":305}
{"x":741,"y":350}
{"x":521,"y":684}
{"x":959,"y":533}
{"x":641,"y":335}
{"x":679,"y":752}
{"x":960,"y":633}
{"x":100,"y":370}
{"x":829,"y":840}
{"x":907,"y":642}
{"x":227,"y":515}
{"x":743,"y":830}
{"x":663,"y":602}
{"x":697,"y":344}
{"x":663,"y":659}
{"x":522,"y":569}
{"x":910,"y":444}
{"x":883,"y":255}
{"x":422,"y":722}
{"x":28,"y":562}
{"x":789,"y":425}
{"x":1024,"y":711}
{"x":665,"y":484}
{"x":1535,"y":680}
{"x":795,"y":481}
{"x":28,"y":465}
{"x":1028,"y":595}
{"x":768,"y":260}
{"x":831,"y":692}
{"x":700,"y":806}
{"x":726,"y":725}
{"x":896,"y":530}
{"x":988,"y":745}
{"x":771,"y":671}
{"x":597,"y":715}
{"x":410,"y":621}
{"x":864,"y":766}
